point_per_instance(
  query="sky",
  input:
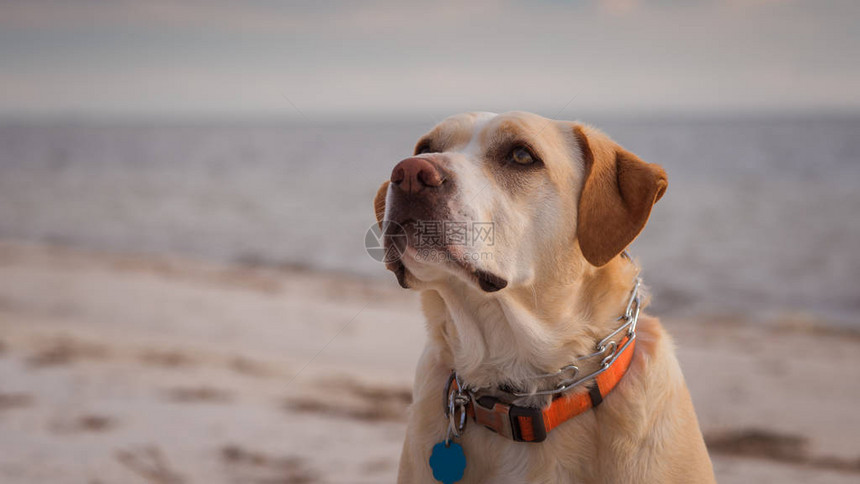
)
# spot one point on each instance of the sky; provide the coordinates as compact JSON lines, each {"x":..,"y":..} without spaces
{"x":318,"y":59}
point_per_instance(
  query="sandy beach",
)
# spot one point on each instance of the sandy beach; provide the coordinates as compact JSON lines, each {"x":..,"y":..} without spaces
{"x":118,"y":368}
{"x":187,"y":212}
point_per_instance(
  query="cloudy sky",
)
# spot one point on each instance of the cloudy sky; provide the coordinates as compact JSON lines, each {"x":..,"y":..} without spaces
{"x":220,"y":58}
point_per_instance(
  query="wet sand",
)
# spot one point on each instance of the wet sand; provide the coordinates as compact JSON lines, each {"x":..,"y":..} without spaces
{"x":132,"y":368}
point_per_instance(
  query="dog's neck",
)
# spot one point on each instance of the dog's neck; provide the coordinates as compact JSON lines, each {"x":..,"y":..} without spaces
{"x":510,"y":337}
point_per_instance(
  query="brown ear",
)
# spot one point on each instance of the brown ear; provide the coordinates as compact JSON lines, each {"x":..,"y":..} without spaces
{"x":617,"y":197}
{"x":379,"y":202}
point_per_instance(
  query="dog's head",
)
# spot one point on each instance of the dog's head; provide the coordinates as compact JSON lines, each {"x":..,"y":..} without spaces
{"x":502,"y":200}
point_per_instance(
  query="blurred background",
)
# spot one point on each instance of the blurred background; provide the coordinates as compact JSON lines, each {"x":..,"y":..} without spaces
{"x":185,"y":187}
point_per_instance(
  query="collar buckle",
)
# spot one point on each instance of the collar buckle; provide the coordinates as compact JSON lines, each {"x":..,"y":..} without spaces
{"x":520,"y":424}
{"x":527,"y":424}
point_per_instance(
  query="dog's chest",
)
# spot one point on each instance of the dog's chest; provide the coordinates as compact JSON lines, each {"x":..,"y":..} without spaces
{"x":500,"y":461}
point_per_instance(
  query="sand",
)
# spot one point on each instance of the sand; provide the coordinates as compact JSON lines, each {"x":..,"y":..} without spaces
{"x":150,"y":369}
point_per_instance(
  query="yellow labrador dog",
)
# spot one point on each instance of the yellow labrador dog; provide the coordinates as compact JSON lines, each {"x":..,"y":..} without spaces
{"x":539,"y":367}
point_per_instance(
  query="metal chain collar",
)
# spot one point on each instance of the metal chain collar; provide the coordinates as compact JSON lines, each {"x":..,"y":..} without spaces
{"x":455,"y":408}
{"x":607,"y":349}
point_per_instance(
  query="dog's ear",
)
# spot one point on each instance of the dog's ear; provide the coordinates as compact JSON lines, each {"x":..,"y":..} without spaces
{"x":617,"y":196}
{"x":379,"y":202}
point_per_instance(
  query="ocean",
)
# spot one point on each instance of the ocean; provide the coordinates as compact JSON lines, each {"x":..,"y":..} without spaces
{"x":761,"y":221}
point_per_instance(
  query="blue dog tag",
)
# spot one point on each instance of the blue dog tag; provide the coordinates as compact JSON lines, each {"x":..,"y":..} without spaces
{"x":448,"y":462}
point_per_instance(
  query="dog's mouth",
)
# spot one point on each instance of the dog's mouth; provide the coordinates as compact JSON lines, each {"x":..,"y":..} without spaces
{"x":490,"y":282}
{"x":401,"y":244}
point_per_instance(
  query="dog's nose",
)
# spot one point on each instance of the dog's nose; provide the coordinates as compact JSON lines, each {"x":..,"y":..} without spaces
{"x":413,"y":174}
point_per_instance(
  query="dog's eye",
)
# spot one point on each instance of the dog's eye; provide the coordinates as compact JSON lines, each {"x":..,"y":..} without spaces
{"x":522,"y":156}
{"x":423,"y":148}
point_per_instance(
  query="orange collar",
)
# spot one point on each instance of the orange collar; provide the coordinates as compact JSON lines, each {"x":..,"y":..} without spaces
{"x":529,"y":424}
